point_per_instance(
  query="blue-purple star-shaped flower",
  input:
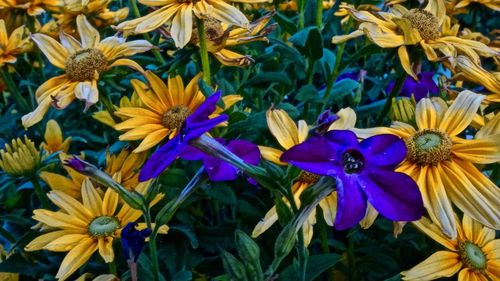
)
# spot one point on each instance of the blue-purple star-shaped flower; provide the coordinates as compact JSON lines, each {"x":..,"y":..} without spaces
{"x":364,"y":171}
{"x":133,"y":240}
{"x":194,"y":126}
{"x":420,"y":89}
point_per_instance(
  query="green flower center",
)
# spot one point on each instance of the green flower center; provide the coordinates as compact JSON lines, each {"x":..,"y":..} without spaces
{"x":425,"y":22}
{"x":174,"y":118}
{"x":429,"y":147}
{"x":103,"y":226}
{"x":83,"y":65}
{"x":472,"y":256}
{"x":353,"y":161}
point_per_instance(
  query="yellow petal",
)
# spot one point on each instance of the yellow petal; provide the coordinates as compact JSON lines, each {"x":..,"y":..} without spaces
{"x":89,"y":36}
{"x":65,"y":243}
{"x":434,"y":231}
{"x":227,"y":13}
{"x":110,"y":202}
{"x":105,"y":245}
{"x":426,"y":115}
{"x":492,"y":127}
{"x":411,"y":35}
{"x":91,"y":198}
{"x":44,"y":239}
{"x":77,"y":257}
{"x":347,"y":120}
{"x":329,"y":207}
{"x":59,"y":219}
{"x":461,"y":112}
{"x":54,"y":51}
{"x":337,"y":39}
{"x":480,"y":151}
{"x":58,"y":182}
{"x":70,"y":205}
{"x":152,"y":139}
{"x":269,"y":219}
{"x":370,"y":217}
{"x":128,"y":63}
{"x":182,"y":26}
{"x":156,"y":19}
{"x":440,"y":264}
{"x":405,"y":61}
{"x":272,"y":154}
{"x":282,"y":127}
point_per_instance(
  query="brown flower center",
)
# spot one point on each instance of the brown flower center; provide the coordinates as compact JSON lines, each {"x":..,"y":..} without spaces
{"x":307,"y":177}
{"x":83,"y":65}
{"x":425,"y":22}
{"x":214,"y":32}
{"x":103,"y":226}
{"x":472,"y":256}
{"x":174,"y":118}
{"x":429,"y":147}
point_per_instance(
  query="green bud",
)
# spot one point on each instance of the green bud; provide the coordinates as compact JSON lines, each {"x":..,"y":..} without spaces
{"x":233,"y":267}
{"x":249,"y":251}
{"x":403,"y":109}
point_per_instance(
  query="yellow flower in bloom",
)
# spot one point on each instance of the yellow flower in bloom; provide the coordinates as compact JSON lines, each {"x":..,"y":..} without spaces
{"x":220,"y":36}
{"x":474,"y":254}
{"x":54,"y":138}
{"x":83,"y":63}
{"x":82,"y":228}
{"x":165,"y":109}
{"x":442,"y":163}
{"x":20,"y":158}
{"x":124,"y":166}
{"x":33,"y":7}
{"x":179,"y":14}
{"x":11,"y":46}
{"x":430,"y":28}
{"x":288,"y":134}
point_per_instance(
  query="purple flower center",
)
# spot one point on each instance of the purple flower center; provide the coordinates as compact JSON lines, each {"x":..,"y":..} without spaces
{"x":352,"y":161}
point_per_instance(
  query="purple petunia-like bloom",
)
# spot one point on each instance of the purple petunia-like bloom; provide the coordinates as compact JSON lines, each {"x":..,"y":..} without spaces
{"x":420,"y":89}
{"x":364,"y":171}
{"x":219,"y":170}
{"x":195,"y":125}
{"x":133,"y":240}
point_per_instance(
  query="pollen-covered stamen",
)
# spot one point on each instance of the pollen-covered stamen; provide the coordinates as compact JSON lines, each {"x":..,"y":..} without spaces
{"x":429,"y":147}
{"x":472,"y":256}
{"x":83,"y":65}
{"x":103,"y":226}
{"x":425,"y":22}
{"x":174,"y":118}
{"x":353,"y":161}
{"x":214,"y":32}
{"x":307,"y":177}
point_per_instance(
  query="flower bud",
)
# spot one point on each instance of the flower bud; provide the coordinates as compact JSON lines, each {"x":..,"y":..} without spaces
{"x":250,"y":253}
{"x":233,"y":267}
{"x":20,"y":158}
{"x":402,"y":109}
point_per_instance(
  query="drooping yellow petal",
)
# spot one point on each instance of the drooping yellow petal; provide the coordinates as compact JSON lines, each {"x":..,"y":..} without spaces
{"x":440,"y":264}
{"x":105,"y":246}
{"x":54,"y":51}
{"x":269,"y":219}
{"x":347,"y":120}
{"x":282,"y":127}
{"x":404,"y":58}
{"x":480,"y":151}
{"x":271,"y":154}
{"x":329,"y":208}
{"x":461,"y":112}
{"x":44,"y":239}
{"x":89,"y":36}
{"x":433,"y":231}
{"x":182,"y":26}
{"x":65,"y":243}
{"x":78,"y":256}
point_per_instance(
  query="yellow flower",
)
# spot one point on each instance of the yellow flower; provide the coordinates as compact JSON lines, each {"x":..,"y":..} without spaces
{"x":17,"y":43}
{"x":220,"y":36}
{"x":442,"y":163}
{"x":430,"y":28}
{"x":54,"y":139}
{"x":83,"y":63}
{"x":164,"y":111}
{"x":288,"y":134}
{"x":32,"y":7}
{"x":82,"y":228}
{"x":179,"y":15}
{"x":473,"y":254}
{"x":20,"y":158}
{"x":345,"y":15}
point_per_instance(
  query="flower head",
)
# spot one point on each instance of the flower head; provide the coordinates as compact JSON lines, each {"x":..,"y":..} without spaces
{"x":83,"y":63}
{"x":20,"y":158}
{"x":364,"y":172}
{"x":195,"y":125}
{"x":11,"y":46}
{"x":32,"y":7}
{"x":54,"y":139}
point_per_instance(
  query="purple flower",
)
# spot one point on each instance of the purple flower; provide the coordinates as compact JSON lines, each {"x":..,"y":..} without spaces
{"x":420,"y":89}
{"x":194,"y":126}
{"x":324,"y":121}
{"x":364,"y":172}
{"x":219,"y":170}
{"x":133,"y":240}
{"x":76,"y":163}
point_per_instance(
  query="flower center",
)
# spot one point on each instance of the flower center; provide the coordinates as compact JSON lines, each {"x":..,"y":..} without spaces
{"x":174,"y":118}
{"x":429,"y":147}
{"x":83,"y":65}
{"x":214,"y":32}
{"x":425,"y":22}
{"x":103,"y":226}
{"x":472,"y":256}
{"x":353,"y":161}
{"x":307,"y":177}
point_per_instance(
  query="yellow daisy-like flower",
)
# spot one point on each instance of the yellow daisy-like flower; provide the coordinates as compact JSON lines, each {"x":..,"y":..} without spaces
{"x":32,"y":7}
{"x":220,"y":36}
{"x":165,"y":109}
{"x":179,"y":15}
{"x":82,"y":228}
{"x":83,"y":63}
{"x":288,"y":134}
{"x":430,"y":28}
{"x":442,"y":163}
{"x":54,"y":138}
{"x":11,"y":46}
{"x":474,"y":254}
{"x":20,"y":158}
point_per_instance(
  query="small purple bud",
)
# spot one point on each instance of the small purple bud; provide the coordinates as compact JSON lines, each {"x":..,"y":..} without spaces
{"x":76,"y":163}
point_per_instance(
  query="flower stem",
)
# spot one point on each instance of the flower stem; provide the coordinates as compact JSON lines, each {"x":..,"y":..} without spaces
{"x":152,"y":244}
{"x":302,"y":7}
{"x":16,"y":94}
{"x":394,"y":93}
{"x":319,"y":14}
{"x":323,"y":235}
{"x":334,"y":74}
{"x":205,"y":63}
{"x":112,"y":267}
{"x":40,"y":193}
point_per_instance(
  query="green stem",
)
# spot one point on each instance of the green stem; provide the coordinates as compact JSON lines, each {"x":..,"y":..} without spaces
{"x":40,"y":193}
{"x":112,"y":268}
{"x":152,"y":245}
{"x":104,"y":98}
{"x":394,"y":93}
{"x":323,"y":236}
{"x":6,"y":234}
{"x":205,"y":63}
{"x":301,"y":6}
{"x":16,"y":94}
{"x":319,"y":14}
{"x":333,"y":75}
{"x":137,"y":14}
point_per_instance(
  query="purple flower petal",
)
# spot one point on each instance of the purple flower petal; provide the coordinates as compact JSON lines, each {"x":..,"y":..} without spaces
{"x":314,"y":155}
{"x":351,"y":202}
{"x":194,"y":130}
{"x":394,"y":195}
{"x":161,"y":159}
{"x":205,"y":109}
{"x":219,"y":170}
{"x":246,"y":150}
{"x":191,"y":153}
{"x":344,"y":138}
{"x":383,"y":150}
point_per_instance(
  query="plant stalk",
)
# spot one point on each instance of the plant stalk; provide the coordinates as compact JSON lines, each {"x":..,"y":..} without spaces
{"x":394,"y":93}
{"x":14,"y":90}
{"x":205,"y":63}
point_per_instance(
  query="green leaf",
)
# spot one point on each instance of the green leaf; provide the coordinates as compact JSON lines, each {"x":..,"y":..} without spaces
{"x":316,"y":265}
{"x":309,"y":42}
{"x":183,"y":276}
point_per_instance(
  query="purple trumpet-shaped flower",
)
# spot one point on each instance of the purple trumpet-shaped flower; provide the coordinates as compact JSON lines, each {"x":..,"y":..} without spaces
{"x":194,"y":126}
{"x":133,"y":240}
{"x":364,"y":172}
{"x":420,"y":89}
{"x":219,"y":170}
